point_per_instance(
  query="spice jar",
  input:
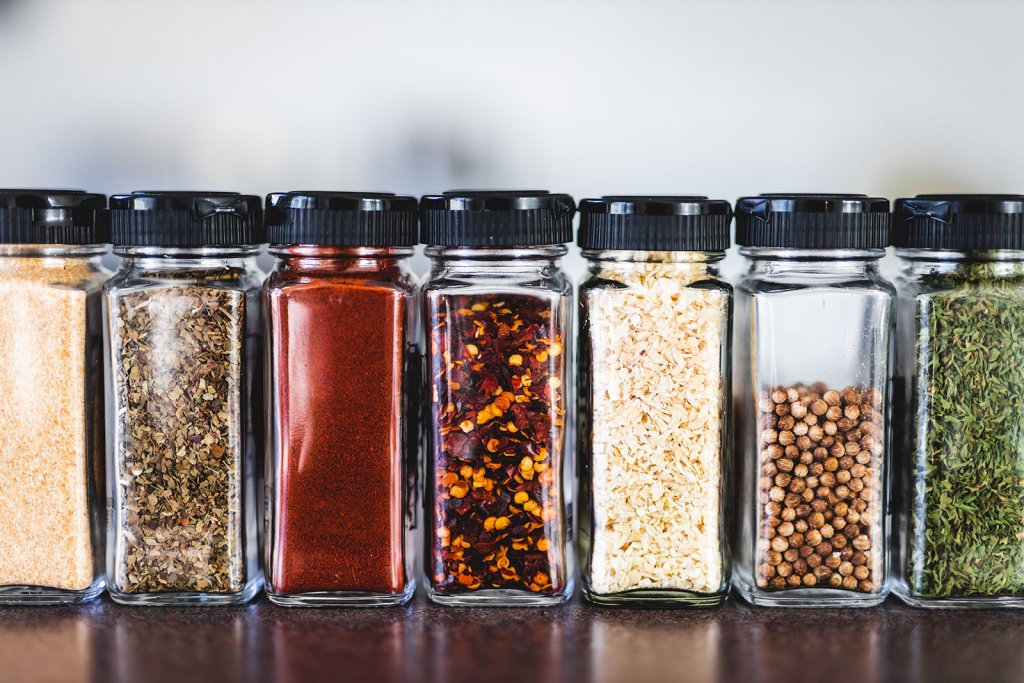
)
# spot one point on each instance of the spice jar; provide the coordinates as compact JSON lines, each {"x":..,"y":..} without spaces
{"x":960,"y":376}
{"x":813,"y":346}
{"x":343,"y":370}
{"x":498,"y":329}
{"x":51,"y":411}
{"x":653,"y":400}
{"x":183,"y":384}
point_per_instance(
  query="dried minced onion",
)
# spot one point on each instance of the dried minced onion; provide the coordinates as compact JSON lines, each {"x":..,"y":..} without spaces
{"x":657,"y":410}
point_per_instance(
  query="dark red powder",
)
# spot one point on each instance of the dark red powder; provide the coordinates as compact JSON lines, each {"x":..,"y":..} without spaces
{"x":338,"y":330}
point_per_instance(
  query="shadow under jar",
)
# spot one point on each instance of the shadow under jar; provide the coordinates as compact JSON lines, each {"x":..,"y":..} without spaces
{"x":813,"y":348}
{"x":654,"y":381}
{"x":498,"y":331}
{"x":51,"y":412}
{"x":961,"y":375}
{"x":343,"y":377}
{"x":183,"y":376}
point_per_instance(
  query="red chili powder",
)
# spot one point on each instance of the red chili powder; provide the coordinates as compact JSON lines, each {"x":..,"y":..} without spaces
{"x":338,"y":344}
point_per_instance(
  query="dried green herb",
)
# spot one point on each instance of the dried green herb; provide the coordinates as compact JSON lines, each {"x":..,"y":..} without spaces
{"x":967,"y":502}
{"x":179,"y":438}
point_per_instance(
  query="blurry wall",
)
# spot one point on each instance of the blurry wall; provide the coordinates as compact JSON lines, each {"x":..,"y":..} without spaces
{"x":722,"y":98}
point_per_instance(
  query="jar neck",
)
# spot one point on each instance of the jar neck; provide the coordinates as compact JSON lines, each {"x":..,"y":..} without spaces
{"x":825,"y":261}
{"x":83,"y":251}
{"x":497,"y":258}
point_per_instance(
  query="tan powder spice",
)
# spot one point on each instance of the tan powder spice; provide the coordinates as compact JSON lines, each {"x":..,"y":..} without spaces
{"x":658,"y":402}
{"x":49,"y":421}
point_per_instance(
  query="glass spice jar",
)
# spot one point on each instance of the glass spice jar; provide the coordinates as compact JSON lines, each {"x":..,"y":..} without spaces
{"x":654,"y":382}
{"x":813,"y":348}
{"x":183,"y":390}
{"x":343,"y":376}
{"x":498,"y":326}
{"x":51,"y":410}
{"x":960,"y":375}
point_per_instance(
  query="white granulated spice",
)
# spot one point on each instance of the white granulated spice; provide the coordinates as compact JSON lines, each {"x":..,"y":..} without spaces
{"x":48,"y":423}
{"x":656,"y":415}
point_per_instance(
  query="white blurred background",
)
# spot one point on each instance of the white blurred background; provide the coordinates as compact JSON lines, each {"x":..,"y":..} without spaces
{"x":723,"y":98}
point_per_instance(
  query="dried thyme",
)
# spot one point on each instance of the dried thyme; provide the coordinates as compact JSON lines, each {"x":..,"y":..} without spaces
{"x":178,"y":357}
{"x":967,"y":503}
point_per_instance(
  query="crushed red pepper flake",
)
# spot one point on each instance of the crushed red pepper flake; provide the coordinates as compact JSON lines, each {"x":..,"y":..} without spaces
{"x":498,"y":414}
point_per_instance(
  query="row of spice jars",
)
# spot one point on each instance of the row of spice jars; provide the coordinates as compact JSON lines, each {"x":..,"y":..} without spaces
{"x":808,"y":394}
{"x":816,"y":328}
{"x":185,"y":399}
{"x":178,"y":333}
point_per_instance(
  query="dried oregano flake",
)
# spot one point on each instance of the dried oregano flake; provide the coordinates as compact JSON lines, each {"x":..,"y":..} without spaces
{"x":178,"y":356}
{"x":657,"y":407}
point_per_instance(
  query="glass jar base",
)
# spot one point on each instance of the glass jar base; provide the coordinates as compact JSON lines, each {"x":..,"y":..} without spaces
{"x":343,"y":598}
{"x":186,"y":598}
{"x":655,"y":599}
{"x":43,"y":595}
{"x":498,"y":598}
{"x":820,"y":598}
{"x":965,"y":602}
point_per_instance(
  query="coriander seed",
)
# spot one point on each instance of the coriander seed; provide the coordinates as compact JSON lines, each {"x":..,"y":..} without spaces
{"x":813,"y":344}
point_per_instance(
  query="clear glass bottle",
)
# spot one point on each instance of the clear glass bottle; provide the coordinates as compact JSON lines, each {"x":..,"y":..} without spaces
{"x":960,"y":377}
{"x":183,"y":366}
{"x":498,"y":348}
{"x":813,"y":346}
{"x":51,"y":412}
{"x":343,"y":357}
{"x":654,"y":386}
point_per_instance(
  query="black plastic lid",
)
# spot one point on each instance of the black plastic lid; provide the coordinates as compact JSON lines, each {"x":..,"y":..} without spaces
{"x":496,"y":218}
{"x":959,"y":222}
{"x":655,"y":223}
{"x":186,"y":219}
{"x":53,"y":217}
{"x":813,"y":221}
{"x":344,"y":219}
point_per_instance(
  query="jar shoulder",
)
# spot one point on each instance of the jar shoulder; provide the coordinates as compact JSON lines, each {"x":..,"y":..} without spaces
{"x":936,"y":284}
{"x":54,"y":274}
{"x":868,"y":284}
{"x":291,"y":281}
{"x":134,"y":279}
{"x":547,"y":282}
{"x":605,"y":280}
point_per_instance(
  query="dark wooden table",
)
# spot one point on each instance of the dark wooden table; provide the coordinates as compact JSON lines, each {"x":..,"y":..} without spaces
{"x":106,"y":642}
